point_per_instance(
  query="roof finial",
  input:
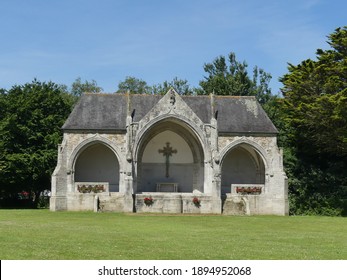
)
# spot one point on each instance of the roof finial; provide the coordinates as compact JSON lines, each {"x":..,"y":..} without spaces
{"x":172,"y":96}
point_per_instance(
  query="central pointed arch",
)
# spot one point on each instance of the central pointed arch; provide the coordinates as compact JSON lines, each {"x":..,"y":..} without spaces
{"x":185,"y":166}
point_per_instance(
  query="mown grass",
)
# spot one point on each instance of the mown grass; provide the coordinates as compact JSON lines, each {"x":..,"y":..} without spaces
{"x":40,"y":234}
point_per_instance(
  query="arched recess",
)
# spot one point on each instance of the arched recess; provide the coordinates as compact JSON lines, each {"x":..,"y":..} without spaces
{"x":242,"y":164}
{"x":93,"y":154}
{"x":97,"y":163}
{"x":185,"y":164}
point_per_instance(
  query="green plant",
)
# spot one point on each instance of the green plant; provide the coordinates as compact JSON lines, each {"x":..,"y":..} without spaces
{"x":90,"y":188}
{"x":248,"y":190}
{"x":148,"y":201}
{"x":44,"y":235}
{"x":197,"y":202}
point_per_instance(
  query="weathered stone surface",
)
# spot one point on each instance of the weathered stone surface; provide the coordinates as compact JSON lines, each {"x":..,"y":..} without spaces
{"x":216,"y":142}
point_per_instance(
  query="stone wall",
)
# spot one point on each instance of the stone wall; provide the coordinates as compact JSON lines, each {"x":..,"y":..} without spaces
{"x":176,"y":203}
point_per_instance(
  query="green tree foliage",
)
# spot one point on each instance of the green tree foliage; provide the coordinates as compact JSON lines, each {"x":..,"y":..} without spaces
{"x":181,"y":87}
{"x":316,"y":100}
{"x":230,"y":77}
{"x":315,"y":117}
{"x":31,"y":118}
{"x":133,"y":85}
{"x":137,"y":86}
{"x":78,"y":87}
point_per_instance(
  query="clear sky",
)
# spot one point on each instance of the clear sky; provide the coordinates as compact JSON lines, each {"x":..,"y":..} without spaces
{"x":157,"y":40}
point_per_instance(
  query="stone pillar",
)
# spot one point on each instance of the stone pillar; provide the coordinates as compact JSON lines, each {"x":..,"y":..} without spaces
{"x":58,"y":199}
{"x":130,"y":136}
{"x":216,"y":183}
{"x":216,"y":179}
{"x":96,"y":203}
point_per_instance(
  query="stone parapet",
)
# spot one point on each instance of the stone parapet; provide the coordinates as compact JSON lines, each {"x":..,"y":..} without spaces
{"x":176,"y":203}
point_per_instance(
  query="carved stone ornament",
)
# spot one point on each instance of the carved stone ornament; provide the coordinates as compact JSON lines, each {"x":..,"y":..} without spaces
{"x":172,"y":98}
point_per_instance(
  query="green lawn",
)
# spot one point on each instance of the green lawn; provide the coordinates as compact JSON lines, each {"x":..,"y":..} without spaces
{"x":40,"y":234}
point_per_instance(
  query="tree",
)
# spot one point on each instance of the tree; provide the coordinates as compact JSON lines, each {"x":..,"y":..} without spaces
{"x":314,"y":112}
{"x":31,"y":118}
{"x":181,"y":87}
{"x":231,"y":78}
{"x":316,"y":100}
{"x":78,"y":87}
{"x":133,"y":85}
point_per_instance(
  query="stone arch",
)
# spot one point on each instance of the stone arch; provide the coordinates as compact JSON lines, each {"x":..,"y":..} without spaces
{"x":254,"y":145}
{"x":193,"y":128}
{"x":191,"y":172}
{"x":99,"y":155}
{"x":242,"y":163}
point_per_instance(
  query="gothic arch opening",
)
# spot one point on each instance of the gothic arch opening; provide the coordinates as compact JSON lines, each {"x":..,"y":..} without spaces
{"x":170,"y":153}
{"x":242,"y":165}
{"x":98,"y":163}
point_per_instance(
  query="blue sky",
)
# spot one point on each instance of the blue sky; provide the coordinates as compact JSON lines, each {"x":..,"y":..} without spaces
{"x":107,"y":40}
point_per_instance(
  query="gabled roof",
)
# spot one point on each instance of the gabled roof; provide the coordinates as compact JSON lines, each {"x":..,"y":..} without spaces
{"x":103,"y":112}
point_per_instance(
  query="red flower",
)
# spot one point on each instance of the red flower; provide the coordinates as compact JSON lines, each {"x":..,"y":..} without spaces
{"x":148,"y":201}
{"x":196,"y":201}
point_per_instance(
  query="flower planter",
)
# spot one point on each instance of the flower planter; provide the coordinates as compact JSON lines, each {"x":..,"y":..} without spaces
{"x":148,"y":201}
{"x":196,"y":201}
{"x":91,"y":188}
{"x":248,"y":190}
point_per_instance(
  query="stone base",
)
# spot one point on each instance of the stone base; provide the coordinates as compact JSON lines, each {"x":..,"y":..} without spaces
{"x":177,"y":203}
{"x":172,"y":203}
{"x":243,"y":204}
{"x":58,"y":203}
{"x":116,"y":202}
{"x":162,"y":203}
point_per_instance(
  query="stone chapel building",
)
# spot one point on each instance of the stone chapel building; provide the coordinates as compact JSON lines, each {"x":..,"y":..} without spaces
{"x":169,"y":154}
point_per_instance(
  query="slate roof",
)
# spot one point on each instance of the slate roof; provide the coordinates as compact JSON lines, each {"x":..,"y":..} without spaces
{"x":103,"y":112}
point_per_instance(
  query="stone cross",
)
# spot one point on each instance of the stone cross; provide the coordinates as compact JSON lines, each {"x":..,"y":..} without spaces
{"x":167,"y":152}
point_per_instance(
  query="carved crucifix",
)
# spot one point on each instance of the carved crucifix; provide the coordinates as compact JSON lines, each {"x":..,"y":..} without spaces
{"x":167,"y":152}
